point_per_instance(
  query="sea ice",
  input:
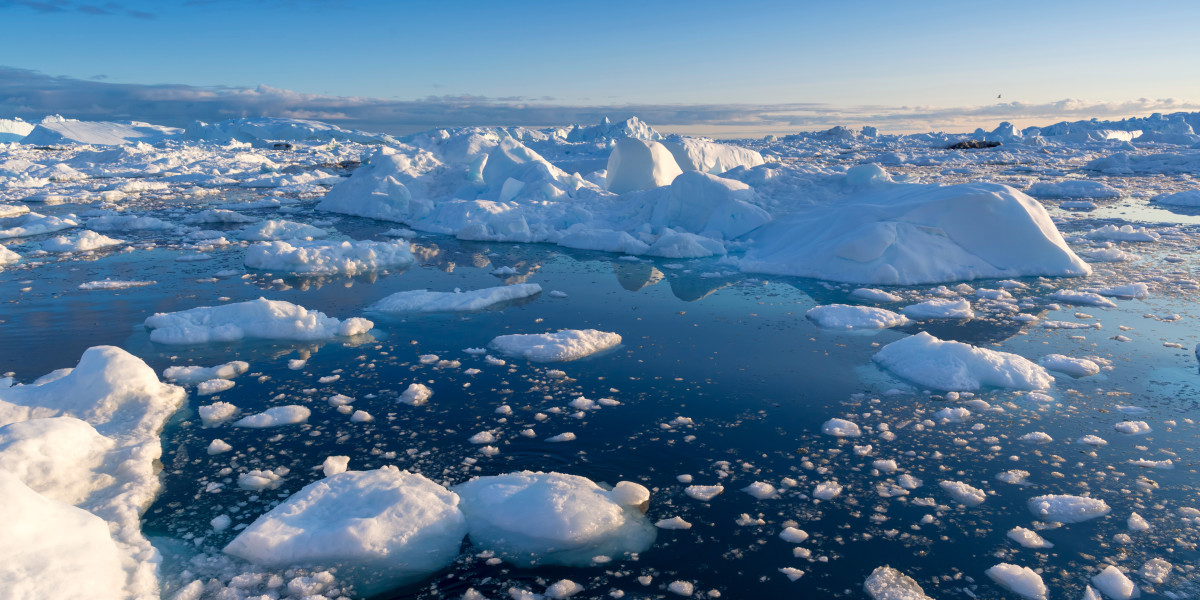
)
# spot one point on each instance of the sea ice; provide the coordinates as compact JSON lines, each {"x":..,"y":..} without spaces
{"x":565,"y":345}
{"x":949,"y":365}
{"x":262,"y":318}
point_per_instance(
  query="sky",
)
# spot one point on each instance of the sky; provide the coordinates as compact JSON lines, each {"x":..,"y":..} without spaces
{"x":723,"y":69}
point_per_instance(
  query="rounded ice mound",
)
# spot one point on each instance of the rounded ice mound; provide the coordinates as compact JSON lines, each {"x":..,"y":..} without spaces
{"x":49,"y":539}
{"x":639,"y":165}
{"x":886,"y":583}
{"x":381,"y":528}
{"x":262,"y":318}
{"x":530,"y":518}
{"x":568,"y":344}
{"x":948,"y":365}
{"x":1067,"y":509}
{"x":908,"y":234}
{"x":59,"y":457}
{"x":328,"y":258}
{"x":845,"y":316}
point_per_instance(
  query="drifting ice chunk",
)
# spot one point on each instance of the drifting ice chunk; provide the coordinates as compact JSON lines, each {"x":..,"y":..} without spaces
{"x":427,"y":301}
{"x":381,"y":528}
{"x":844,"y":316}
{"x":278,"y":230}
{"x":276,"y":417}
{"x":964,"y":493}
{"x":639,"y":165}
{"x":949,"y":365}
{"x":34,"y":224}
{"x":875,"y":295}
{"x":1072,"y":189}
{"x":886,"y":583}
{"x":532,"y":518}
{"x":909,"y":234}
{"x":1113,"y":583}
{"x":841,"y":428}
{"x":1028,"y":538}
{"x":51,"y":549}
{"x":416,"y":394}
{"x":1075,"y":367}
{"x":1067,"y":509}
{"x":193,"y":374}
{"x":262,"y":318}
{"x":565,"y":345}
{"x":327,"y":258}
{"x":1132,"y":427}
{"x":1023,"y":581}
{"x":82,"y":242}
{"x":703,"y":493}
{"x":1084,"y":298}
{"x":1124,"y":233}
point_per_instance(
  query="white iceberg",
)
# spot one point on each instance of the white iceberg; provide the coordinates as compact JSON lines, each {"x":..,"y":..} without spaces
{"x":949,"y":365}
{"x":262,"y":318}
{"x":328,"y":258}
{"x":564,"y":345}
{"x":426,"y":301}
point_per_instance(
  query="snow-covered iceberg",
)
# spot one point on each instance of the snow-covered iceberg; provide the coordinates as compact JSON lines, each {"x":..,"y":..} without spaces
{"x":907,"y":234}
{"x":381,"y":529}
{"x":262,"y":318}
{"x":949,"y":365}
{"x":532,"y":518}
{"x":327,"y":258}
{"x":568,"y":344}
{"x":418,"y":301}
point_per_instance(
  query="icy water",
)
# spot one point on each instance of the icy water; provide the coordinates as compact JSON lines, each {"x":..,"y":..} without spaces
{"x":733,"y":354}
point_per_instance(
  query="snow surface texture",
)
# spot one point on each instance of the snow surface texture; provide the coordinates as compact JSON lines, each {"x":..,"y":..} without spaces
{"x":532,"y":518}
{"x":565,"y":345}
{"x":78,"y":454}
{"x":886,"y":583}
{"x":262,"y":318}
{"x":949,"y":365}
{"x":907,"y":234}
{"x":381,"y":528}
{"x":327,"y":258}
{"x":418,"y":301}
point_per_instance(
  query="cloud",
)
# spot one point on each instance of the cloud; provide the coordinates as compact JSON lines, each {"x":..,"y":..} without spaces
{"x":63,"y":6}
{"x":31,"y":95}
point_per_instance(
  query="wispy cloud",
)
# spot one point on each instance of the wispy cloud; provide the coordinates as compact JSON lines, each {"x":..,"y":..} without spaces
{"x":65,"y":6}
{"x":31,"y":95}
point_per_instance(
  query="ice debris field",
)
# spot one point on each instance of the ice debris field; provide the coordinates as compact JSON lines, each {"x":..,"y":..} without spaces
{"x":279,"y":359}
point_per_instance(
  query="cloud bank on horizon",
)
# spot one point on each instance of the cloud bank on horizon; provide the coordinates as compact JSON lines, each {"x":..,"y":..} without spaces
{"x":30,"y":95}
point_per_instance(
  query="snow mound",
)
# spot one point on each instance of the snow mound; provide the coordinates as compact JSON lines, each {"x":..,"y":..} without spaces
{"x":80,"y":242}
{"x":886,"y":583}
{"x":1075,"y":367}
{"x":32,"y":223}
{"x":1022,"y":581}
{"x":328,"y":258}
{"x":909,"y":234}
{"x":844,"y":316}
{"x":694,"y":154}
{"x":278,"y":230}
{"x":565,"y":345}
{"x":87,"y":437}
{"x":427,"y":301}
{"x":381,"y":528}
{"x":949,"y":365}
{"x":1067,"y":509}
{"x":532,"y":518}
{"x":58,"y":130}
{"x":639,"y":165}
{"x":262,"y":318}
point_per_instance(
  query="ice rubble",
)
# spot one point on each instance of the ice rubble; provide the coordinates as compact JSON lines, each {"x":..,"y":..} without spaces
{"x":564,"y":345}
{"x":457,"y":301}
{"x":383,"y":528}
{"x":80,"y":448}
{"x":949,"y":365}
{"x":262,"y":318}
{"x":327,"y":258}
{"x":532,"y":518}
{"x":907,"y":234}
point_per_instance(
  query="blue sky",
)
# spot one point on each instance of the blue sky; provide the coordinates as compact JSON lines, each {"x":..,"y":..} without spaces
{"x":905,"y":65}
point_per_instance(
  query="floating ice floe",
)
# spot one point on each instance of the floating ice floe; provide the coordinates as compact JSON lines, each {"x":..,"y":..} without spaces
{"x":80,"y":242}
{"x":1063,"y":508}
{"x":34,"y":224}
{"x":277,"y":416}
{"x":906,"y":234}
{"x":1188,"y":198}
{"x":532,"y":518}
{"x":267,"y":231}
{"x":1075,"y":367}
{"x":262,"y":318}
{"x":949,"y":365}
{"x":80,"y":450}
{"x":1084,"y":298}
{"x":381,"y":529}
{"x":964,"y":493}
{"x":940,"y":308}
{"x":565,"y":345}
{"x":886,"y":583}
{"x":1114,"y":584}
{"x":1028,"y":538}
{"x":844,"y":316}
{"x":473,"y":300}
{"x":1123,"y":233}
{"x":1072,"y":188}
{"x":328,"y":258}
{"x":841,"y":428}
{"x":193,"y":374}
{"x":1022,"y":581}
